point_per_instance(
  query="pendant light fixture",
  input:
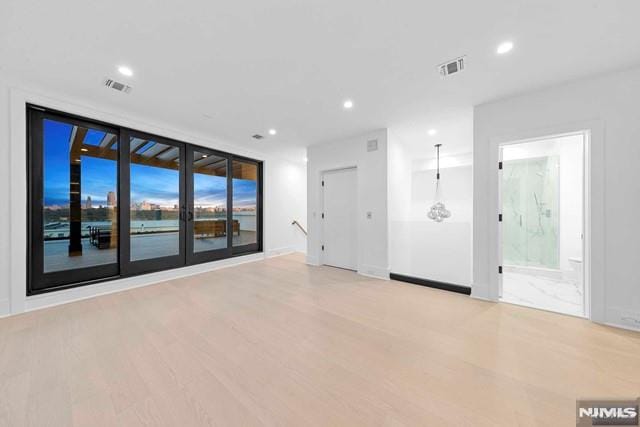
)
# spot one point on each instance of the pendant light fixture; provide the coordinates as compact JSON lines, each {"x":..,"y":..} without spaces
{"x":438,"y":211}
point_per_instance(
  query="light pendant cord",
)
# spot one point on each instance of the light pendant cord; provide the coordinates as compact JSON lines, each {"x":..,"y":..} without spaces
{"x":438,"y":170}
{"x":438,"y":163}
{"x":438,"y":211}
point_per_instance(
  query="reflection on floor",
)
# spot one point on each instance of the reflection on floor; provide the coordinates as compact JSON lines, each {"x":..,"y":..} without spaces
{"x":143,"y":246}
{"x":542,"y":292}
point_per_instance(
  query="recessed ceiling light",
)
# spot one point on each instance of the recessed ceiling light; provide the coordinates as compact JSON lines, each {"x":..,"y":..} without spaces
{"x":125,"y":71}
{"x":204,"y":156}
{"x":84,"y":149}
{"x":272,"y":132}
{"x":348,"y":104}
{"x":432,"y":132}
{"x":504,"y":47}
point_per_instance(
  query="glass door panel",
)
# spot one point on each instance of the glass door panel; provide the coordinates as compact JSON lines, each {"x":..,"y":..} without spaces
{"x":74,"y":215}
{"x":245,"y":202}
{"x":156,"y":205}
{"x":207,"y":205}
{"x":530,"y":191}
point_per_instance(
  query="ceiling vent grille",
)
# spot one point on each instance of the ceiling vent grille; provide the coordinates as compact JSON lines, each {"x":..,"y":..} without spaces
{"x":120,"y":87}
{"x":452,"y":67}
{"x":257,"y":136}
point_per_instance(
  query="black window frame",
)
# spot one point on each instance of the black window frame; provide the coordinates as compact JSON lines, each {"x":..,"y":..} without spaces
{"x":149,"y":265}
{"x":252,"y":247}
{"x":39,"y":282}
{"x":215,"y":254}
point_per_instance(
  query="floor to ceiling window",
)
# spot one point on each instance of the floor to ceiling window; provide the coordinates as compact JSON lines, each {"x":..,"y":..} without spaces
{"x":111,"y":202}
{"x":245,"y":204}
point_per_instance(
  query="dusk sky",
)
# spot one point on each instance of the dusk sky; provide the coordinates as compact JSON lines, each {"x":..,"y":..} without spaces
{"x":99,"y":176}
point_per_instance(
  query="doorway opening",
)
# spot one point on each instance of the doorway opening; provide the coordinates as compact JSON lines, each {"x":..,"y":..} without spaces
{"x":339,"y":218}
{"x":542,"y":224}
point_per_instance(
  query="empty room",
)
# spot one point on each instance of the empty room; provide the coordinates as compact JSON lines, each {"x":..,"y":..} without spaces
{"x":305,"y":213}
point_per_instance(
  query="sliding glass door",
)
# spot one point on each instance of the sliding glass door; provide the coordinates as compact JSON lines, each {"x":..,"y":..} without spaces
{"x":107,"y":202}
{"x":208,"y":226}
{"x":73,"y":201}
{"x":153,"y":170}
{"x":246,"y":202}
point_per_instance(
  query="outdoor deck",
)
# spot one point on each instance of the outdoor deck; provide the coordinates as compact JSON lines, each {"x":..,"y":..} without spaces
{"x":143,"y":246}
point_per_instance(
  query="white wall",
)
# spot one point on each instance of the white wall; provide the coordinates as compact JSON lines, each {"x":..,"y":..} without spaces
{"x":607,"y":106}
{"x":284,"y":197}
{"x":372,"y":197}
{"x":418,"y":246}
{"x":5,"y":248}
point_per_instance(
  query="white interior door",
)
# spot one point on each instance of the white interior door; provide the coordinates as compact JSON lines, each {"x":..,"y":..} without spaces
{"x":340,"y":234}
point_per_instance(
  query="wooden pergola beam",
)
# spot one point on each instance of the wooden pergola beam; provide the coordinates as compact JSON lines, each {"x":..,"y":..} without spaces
{"x":139,"y":159}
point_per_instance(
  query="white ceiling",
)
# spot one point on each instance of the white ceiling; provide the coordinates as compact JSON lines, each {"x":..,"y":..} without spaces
{"x":231,"y":69}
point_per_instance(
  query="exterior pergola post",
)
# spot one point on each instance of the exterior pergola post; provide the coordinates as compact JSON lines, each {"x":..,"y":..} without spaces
{"x":75,"y":192}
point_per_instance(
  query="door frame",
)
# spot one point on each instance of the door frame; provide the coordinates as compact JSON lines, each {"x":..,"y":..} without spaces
{"x":214,"y":254}
{"x":322,"y":228}
{"x":586,"y":213}
{"x":37,"y":280}
{"x":252,"y":247}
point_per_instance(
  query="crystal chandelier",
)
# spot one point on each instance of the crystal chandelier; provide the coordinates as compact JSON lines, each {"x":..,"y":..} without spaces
{"x":438,"y":211}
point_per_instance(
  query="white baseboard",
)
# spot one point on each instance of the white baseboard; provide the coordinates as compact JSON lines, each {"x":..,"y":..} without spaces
{"x":480,"y":292}
{"x":280,"y":251}
{"x":5,"y":307}
{"x":622,"y":318}
{"x":619,"y":326}
{"x":312,"y":260}
{"x":75,"y":294}
{"x":374,"y":271}
{"x":479,"y":297}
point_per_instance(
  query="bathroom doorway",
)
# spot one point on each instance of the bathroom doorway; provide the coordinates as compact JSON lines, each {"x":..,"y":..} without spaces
{"x":542,"y":224}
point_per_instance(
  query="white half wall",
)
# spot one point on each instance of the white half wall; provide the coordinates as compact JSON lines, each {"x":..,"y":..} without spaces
{"x":372,"y":197}
{"x":284,"y":197}
{"x":606,"y":106}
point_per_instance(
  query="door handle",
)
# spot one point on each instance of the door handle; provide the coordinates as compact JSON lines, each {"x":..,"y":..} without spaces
{"x":190,"y":217}
{"x":183,"y":211}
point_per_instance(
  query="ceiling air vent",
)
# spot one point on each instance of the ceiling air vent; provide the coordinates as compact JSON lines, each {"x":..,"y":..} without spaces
{"x":452,"y":67}
{"x":257,"y":136}
{"x":120,"y":87}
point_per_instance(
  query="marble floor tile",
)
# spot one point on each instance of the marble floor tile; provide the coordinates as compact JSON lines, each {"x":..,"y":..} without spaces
{"x":536,"y":291}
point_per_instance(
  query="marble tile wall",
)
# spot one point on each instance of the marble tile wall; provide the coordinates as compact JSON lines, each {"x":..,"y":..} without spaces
{"x":530,"y":211}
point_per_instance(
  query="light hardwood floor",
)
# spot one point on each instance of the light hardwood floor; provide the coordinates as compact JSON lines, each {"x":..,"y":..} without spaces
{"x":277,"y":342}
